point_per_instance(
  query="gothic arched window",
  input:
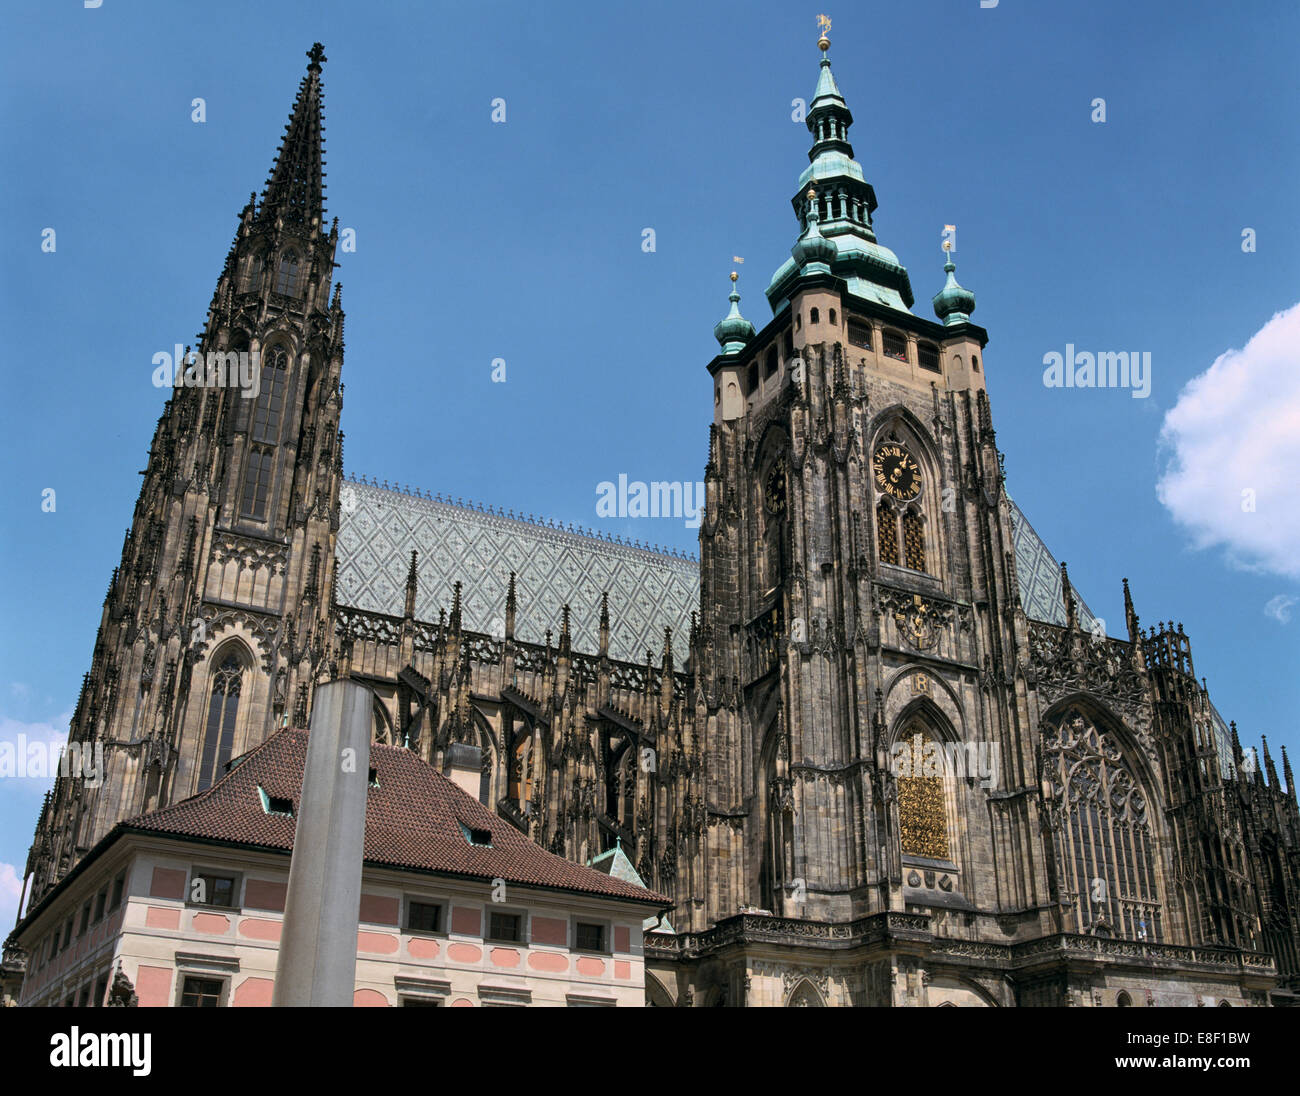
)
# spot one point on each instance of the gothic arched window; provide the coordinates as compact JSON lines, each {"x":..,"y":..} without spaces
{"x":922,"y":798}
{"x":913,"y":541}
{"x":253,"y":281}
{"x":286,"y":279}
{"x":223,"y":708}
{"x":270,"y":396}
{"x":1105,"y":845}
{"x":887,"y":532}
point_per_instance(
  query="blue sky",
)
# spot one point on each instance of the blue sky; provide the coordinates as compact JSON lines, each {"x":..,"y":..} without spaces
{"x":522,"y":241}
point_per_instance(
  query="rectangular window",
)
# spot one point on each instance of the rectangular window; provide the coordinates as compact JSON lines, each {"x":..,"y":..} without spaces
{"x":118,"y":885}
{"x":101,"y":901}
{"x":505,"y":927}
{"x":101,"y":991}
{"x":84,"y":1000}
{"x":270,"y":403}
{"x":927,"y":357}
{"x":213,"y":890}
{"x":751,"y":379}
{"x":423,"y":916}
{"x":257,"y":483}
{"x":860,"y":335}
{"x":894,"y":345}
{"x":85,"y":917}
{"x":201,"y":992}
{"x":420,"y":1002}
{"x":67,"y":934}
{"x":588,"y":936}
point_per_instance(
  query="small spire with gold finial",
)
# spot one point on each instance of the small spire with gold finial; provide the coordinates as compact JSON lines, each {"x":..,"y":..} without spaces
{"x":733,"y":331}
{"x":953,"y":304}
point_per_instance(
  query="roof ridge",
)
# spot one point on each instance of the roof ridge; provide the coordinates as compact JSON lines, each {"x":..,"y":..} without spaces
{"x":469,"y":505}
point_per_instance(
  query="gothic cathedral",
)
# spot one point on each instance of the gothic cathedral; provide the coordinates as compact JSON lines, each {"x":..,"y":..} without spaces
{"x":883,"y":754}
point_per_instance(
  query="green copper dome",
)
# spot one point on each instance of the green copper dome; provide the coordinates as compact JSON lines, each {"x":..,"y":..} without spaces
{"x":837,"y":236}
{"x":952,"y":303}
{"x":813,"y":251}
{"x":733,"y":331}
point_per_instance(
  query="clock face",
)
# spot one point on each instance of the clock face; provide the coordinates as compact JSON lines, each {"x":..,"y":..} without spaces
{"x":774,"y":489}
{"x":896,"y":472}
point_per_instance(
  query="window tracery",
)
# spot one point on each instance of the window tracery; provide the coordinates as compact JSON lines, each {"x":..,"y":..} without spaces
{"x":1105,"y":843}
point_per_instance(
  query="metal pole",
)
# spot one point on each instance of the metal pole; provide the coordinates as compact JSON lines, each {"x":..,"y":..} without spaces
{"x":318,"y":942}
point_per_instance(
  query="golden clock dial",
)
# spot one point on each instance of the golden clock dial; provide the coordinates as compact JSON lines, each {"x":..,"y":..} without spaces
{"x":896,"y":472}
{"x":774,"y":489}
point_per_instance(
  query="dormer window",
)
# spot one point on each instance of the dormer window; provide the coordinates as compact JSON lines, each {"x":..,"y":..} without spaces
{"x":275,"y":804}
{"x":477,"y":836}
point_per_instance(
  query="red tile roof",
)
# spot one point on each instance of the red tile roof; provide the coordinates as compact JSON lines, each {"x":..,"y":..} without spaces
{"x":413,"y":821}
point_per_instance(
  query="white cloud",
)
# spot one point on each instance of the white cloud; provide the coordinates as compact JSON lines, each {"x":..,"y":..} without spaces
{"x":1233,"y":441}
{"x":11,"y":889}
{"x":1279,"y":608}
{"x":53,"y":730}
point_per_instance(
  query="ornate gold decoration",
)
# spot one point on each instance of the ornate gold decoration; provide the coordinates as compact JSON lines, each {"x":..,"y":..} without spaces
{"x":887,"y":533}
{"x":913,"y":541}
{"x":922,"y":817}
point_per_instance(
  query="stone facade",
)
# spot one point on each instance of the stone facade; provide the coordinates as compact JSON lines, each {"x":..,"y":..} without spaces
{"x":863,"y":771}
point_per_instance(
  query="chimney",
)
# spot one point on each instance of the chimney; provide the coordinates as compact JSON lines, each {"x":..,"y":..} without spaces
{"x":463,"y":766}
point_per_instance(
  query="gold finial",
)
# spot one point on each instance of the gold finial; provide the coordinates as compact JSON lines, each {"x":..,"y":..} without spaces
{"x":812,"y":193}
{"x":824,"y":22}
{"x":734,"y":277}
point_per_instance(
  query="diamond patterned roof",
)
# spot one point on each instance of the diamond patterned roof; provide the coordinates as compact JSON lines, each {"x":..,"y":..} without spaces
{"x":648,"y":590}
{"x":1039,"y":576}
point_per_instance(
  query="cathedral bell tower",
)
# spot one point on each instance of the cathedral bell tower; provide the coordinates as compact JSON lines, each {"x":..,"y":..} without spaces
{"x":216,"y":624}
{"x":857,"y":582}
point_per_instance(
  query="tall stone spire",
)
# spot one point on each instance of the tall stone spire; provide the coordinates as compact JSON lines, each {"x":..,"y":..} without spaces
{"x":295,"y":191}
